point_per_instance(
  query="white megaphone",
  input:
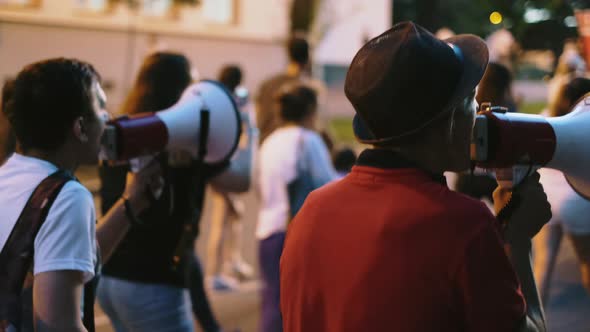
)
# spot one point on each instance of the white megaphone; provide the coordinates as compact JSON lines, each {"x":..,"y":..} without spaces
{"x":506,"y":140}
{"x":205,"y":122}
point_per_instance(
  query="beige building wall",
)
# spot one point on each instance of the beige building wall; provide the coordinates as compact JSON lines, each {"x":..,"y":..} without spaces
{"x":116,"y":42}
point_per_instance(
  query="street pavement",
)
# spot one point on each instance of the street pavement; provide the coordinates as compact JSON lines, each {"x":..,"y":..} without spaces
{"x":568,"y":310}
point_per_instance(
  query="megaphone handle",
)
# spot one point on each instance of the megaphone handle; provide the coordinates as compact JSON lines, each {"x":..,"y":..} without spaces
{"x":508,"y":178}
{"x":191,"y":225}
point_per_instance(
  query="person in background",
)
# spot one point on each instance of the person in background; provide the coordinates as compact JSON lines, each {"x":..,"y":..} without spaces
{"x":141,"y":289}
{"x":7,"y":138}
{"x":495,"y":87}
{"x":225,"y":236}
{"x":57,"y":112}
{"x":570,"y":211}
{"x":267,"y":115}
{"x":390,"y":247}
{"x":294,"y":153}
{"x":570,"y":65}
{"x":444,"y":33}
{"x":344,"y":159}
{"x":503,"y":48}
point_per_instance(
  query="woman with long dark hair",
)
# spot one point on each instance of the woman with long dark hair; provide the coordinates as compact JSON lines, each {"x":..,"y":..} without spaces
{"x":142,"y":290}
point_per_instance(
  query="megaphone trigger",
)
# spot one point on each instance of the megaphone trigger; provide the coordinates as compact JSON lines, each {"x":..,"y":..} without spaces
{"x":511,"y":177}
{"x":156,"y":184}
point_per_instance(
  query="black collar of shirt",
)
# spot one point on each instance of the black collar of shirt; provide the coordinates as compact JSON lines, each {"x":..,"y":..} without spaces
{"x":388,"y":159}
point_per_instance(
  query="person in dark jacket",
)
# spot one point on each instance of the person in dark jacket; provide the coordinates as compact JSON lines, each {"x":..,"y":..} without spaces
{"x":143,"y":288}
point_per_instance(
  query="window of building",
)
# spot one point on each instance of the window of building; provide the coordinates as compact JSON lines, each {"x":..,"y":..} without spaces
{"x":91,"y":5}
{"x":219,"y":11}
{"x":19,"y":3}
{"x":158,"y":8}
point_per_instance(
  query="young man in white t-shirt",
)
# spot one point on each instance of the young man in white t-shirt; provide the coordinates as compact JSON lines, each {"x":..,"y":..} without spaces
{"x":57,"y":113}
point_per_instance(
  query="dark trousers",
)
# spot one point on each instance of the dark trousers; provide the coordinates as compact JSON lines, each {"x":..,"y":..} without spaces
{"x":269,"y":256}
{"x":200,"y":302}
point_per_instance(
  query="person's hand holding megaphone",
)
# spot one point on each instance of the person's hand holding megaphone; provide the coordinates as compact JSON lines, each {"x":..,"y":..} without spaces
{"x":522,"y":210}
{"x":140,"y":186}
{"x":515,"y":144}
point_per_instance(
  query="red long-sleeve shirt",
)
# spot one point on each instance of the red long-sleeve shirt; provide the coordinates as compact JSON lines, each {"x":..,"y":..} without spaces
{"x":389,"y":248}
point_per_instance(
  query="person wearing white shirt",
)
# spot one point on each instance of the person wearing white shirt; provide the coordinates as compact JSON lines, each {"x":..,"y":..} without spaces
{"x":56,"y":110}
{"x":288,"y":150}
{"x":570,"y":210}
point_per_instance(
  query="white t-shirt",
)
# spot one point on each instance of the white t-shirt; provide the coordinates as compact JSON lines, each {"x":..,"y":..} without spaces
{"x":66,"y":241}
{"x":277,"y":167}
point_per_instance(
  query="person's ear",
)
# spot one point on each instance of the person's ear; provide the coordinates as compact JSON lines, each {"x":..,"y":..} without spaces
{"x":80,"y":130}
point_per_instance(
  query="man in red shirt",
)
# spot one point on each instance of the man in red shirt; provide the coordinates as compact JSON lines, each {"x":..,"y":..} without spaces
{"x":390,"y":247}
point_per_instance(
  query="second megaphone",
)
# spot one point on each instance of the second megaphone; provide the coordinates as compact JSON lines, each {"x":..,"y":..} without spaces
{"x":504,"y":140}
{"x":205,"y":121}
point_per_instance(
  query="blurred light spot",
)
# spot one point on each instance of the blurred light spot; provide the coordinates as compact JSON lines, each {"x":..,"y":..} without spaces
{"x":570,"y":21}
{"x":534,"y":15}
{"x":496,"y":18}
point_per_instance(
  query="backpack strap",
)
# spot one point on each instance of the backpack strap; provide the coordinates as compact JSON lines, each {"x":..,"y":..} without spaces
{"x":88,"y":302}
{"x":16,"y":257}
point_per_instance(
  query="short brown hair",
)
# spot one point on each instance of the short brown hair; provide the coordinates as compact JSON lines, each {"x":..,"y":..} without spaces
{"x":296,"y":102}
{"x":47,"y":96}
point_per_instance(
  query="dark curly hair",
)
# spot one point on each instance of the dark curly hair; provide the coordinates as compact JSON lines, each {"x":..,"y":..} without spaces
{"x":162,"y":78}
{"x":570,"y":94}
{"x":47,"y":97}
{"x":298,"y":50}
{"x":296,"y":102}
{"x":495,"y":86}
{"x":230,"y":76}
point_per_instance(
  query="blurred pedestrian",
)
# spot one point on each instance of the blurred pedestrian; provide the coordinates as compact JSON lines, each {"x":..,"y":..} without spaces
{"x":344,"y":159}
{"x":293,"y":161}
{"x":571,"y":212}
{"x":267,"y":114}
{"x":570,"y":65}
{"x":224,"y":251}
{"x":503,"y":48}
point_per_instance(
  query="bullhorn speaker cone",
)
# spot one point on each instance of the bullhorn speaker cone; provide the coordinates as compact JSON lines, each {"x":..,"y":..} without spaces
{"x":206,"y":116}
{"x":504,"y":140}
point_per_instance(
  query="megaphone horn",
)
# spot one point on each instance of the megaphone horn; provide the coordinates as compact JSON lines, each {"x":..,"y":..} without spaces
{"x":205,"y":122}
{"x":502,"y":140}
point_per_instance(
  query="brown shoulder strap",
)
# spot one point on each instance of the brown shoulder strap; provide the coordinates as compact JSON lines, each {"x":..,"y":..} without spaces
{"x":17,"y":255}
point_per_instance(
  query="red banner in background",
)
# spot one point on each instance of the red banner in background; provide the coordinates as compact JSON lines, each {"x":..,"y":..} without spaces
{"x":583,"y":18}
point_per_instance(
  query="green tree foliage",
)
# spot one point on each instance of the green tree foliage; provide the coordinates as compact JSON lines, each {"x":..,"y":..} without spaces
{"x":472,"y":16}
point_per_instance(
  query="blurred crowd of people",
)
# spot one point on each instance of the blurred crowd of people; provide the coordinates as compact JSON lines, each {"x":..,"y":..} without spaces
{"x":384,"y":242}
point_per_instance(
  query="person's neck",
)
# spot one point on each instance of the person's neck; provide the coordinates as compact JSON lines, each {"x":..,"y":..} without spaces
{"x":307,"y":124}
{"x":425,"y":157}
{"x":293,"y":69}
{"x":62,"y":158}
{"x":428,"y":161}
